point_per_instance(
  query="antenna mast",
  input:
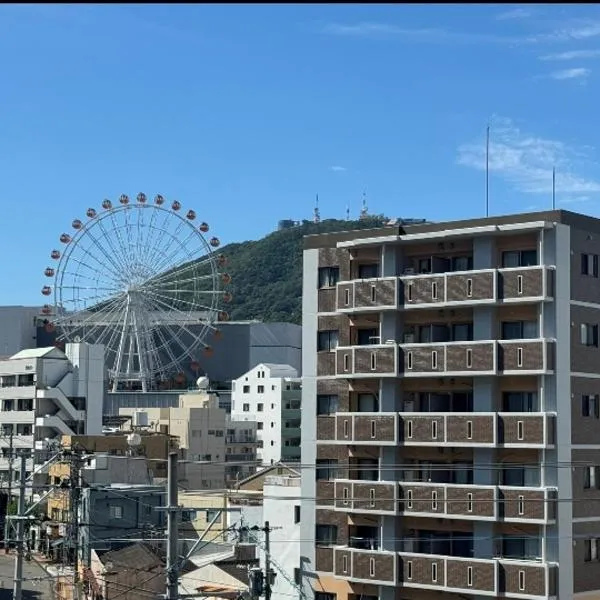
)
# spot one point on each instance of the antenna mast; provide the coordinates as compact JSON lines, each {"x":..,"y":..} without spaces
{"x":487,"y":172}
{"x":364,"y":211}
{"x":317,"y":213}
{"x":553,"y":188}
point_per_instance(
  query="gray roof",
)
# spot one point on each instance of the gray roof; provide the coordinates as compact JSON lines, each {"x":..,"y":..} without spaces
{"x":50,"y":352}
{"x":137,"y":556}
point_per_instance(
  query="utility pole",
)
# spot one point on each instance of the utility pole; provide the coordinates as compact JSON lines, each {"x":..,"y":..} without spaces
{"x":18,"y":579}
{"x":9,"y":493}
{"x":268,"y":578}
{"x":172,"y":530}
{"x":75,"y":493}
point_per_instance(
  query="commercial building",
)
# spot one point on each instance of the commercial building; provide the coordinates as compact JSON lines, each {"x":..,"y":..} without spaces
{"x":270,"y":395}
{"x":451,"y":382}
{"x":17,"y":329}
{"x":200,"y":426}
{"x":45,"y":393}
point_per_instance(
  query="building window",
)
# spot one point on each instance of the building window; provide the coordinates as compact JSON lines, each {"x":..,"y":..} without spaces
{"x":590,"y":406}
{"x":328,"y":276}
{"x":326,"y":535}
{"x":212,"y":515}
{"x":327,"y":341}
{"x":592,"y":478}
{"x":589,"y":265}
{"x":327,"y":404}
{"x":326,"y":469}
{"x":520,"y":330}
{"x":519,"y":258}
{"x":246,"y":389}
{"x":246,"y":408}
{"x":260,"y":389}
{"x":115,"y":511}
{"x":259,"y":407}
{"x":296,"y":514}
{"x":368,"y":271}
{"x":260,"y":425}
{"x":589,"y":334}
{"x":591,"y":549}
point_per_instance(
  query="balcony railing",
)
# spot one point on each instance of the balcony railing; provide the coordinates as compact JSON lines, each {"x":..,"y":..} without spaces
{"x":453,"y":288}
{"x":367,"y":428}
{"x":493,"y":577}
{"x":376,"y":360}
{"x":366,"y":566}
{"x":528,"y":504}
{"x":380,"y":497}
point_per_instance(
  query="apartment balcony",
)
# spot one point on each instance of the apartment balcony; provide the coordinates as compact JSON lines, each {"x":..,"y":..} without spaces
{"x":380,"y":429}
{"x":366,"y":566}
{"x":532,"y":357}
{"x":367,"y":294}
{"x":454,"y":359}
{"x":510,"y":430}
{"x":26,"y":417}
{"x":526,"y":430}
{"x":376,"y":360}
{"x":521,"y":284}
{"x":454,"y":429}
{"x":441,"y":500}
{"x":374,"y":497}
{"x":493,"y":577}
{"x":528,"y":504}
{"x":54,"y":422}
{"x":290,"y":432}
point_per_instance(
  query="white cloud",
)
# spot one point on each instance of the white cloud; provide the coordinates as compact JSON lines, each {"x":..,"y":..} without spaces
{"x":516,"y":13}
{"x":526,"y":162}
{"x":337,"y":169}
{"x":575,"y":73}
{"x":574,"y":30}
{"x":572,"y":55}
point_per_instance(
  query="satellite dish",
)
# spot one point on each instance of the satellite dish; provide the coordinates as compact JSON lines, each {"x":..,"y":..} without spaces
{"x":134,"y":439}
{"x":202,"y":383}
{"x":77,"y":339}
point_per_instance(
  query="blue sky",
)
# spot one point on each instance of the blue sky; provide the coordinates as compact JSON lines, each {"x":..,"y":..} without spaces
{"x":244,"y":113}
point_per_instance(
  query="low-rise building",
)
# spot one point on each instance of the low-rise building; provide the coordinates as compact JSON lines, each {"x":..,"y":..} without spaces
{"x":241,"y":443}
{"x":134,"y":572}
{"x":199,"y":425}
{"x":270,"y":395}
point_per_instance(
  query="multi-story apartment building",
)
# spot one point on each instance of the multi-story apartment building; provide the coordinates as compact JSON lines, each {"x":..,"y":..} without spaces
{"x":270,"y":395}
{"x":45,"y":393}
{"x":452,"y":386}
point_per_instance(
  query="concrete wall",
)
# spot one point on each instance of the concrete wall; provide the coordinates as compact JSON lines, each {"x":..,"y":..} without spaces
{"x":17,"y":328}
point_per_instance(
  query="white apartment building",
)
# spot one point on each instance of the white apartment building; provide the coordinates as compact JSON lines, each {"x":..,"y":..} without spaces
{"x":200,"y":425}
{"x":45,"y":393}
{"x":270,"y":395}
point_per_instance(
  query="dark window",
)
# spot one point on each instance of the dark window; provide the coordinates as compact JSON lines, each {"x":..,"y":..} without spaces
{"x":520,"y":402}
{"x":519,"y":330}
{"x":364,"y":337}
{"x":324,"y":596}
{"x":589,"y":265}
{"x":326,"y":469}
{"x":327,"y":404}
{"x":326,"y":535}
{"x":368,"y":271}
{"x":589,"y":406}
{"x":591,"y":550}
{"x":260,"y":389}
{"x":328,"y":276}
{"x":589,"y":335}
{"x":296,"y":514}
{"x":462,"y":332}
{"x":462,"y":263}
{"x":519,"y":258}
{"x":246,"y":389}
{"x":327,"y":340}
{"x":592,"y":478}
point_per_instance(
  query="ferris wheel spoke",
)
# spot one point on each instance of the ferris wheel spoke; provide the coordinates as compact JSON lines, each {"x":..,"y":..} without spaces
{"x":103,"y":251}
{"x":79,"y":276}
{"x":166,"y":347}
{"x":170,"y":260}
{"x":69,"y":319}
{"x":121,"y":245}
{"x":178,"y":272}
{"x":104,"y":321}
{"x":166,"y":306}
{"x":173,"y":334}
{"x":154,"y":248}
{"x":105,"y":268}
{"x":91,"y":268}
{"x":147,"y":246}
{"x":117,"y":255}
{"x":163,"y":285}
{"x":195,"y":305}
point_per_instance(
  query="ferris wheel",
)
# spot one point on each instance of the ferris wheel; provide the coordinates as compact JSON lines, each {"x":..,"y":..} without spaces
{"x":141,"y":278}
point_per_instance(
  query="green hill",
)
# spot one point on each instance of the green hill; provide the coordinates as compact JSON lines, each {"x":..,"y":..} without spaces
{"x":267,"y":273}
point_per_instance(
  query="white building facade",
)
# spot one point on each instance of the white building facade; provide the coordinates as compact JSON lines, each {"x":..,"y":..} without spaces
{"x":270,"y":395}
{"x":46,"y":393}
